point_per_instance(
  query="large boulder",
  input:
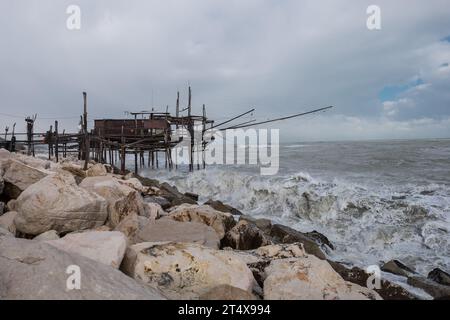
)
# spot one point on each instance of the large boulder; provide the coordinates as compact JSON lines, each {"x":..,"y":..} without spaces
{"x":48,"y":235}
{"x":4,"y":154}
{"x":7,"y":221}
{"x":163,"y":202}
{"x":439,"y":276}
{"x":75,"y":169}
{"x":37,"y":270}
{"x":96,"y":170}
{"x":107,"y":187}
{"x":284,"y":234}
{"x":309,"y":278}
{"x":245,"y":236}
{"x":35,"y":162}
{"x":220,"y":206}
{"x":57,"y":203}
{"x":133,"y":183}
{"x":153,"y":211}
{"x":227,"y":292}
{"x":185,"y":271}
{"x":19,"y":176}
{"x":388,"y":290}
{"x":434,"y":289}
{"x":132,"y":204}
{"x":107,"y":247}
{"x":172,"y":194}
{"x":122,"y":199}
{"x":131,"y":225}
{"x":258,"y":260}
{"x":219,"y":221}
{"x":170,"y":230}
{"x":4,"y":232}
{"x":398,"y":268}
{"x":264,"y":224}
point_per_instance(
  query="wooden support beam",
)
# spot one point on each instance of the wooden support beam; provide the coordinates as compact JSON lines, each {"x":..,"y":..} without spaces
{"x":87,"y":145}
{"x":56,"y":142}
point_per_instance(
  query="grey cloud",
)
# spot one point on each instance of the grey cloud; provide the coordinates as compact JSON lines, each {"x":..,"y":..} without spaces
{"x":281,"y":57}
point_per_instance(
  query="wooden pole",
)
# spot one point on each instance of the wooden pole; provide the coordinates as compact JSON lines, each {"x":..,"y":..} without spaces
{"x":50,"y":143}
{"x":135,"y":150}
{"x":64,"y":145}
{"x":191,"y":132}
{"x":56,"y":141}
{"x":122,"y":156}
{"x":177,"y":114}
{"x":203,"y":135}
{"x":87,"y":145}
{"x":189,"y":102}
{"x":13,"y":139}
{"x":80,"y":145}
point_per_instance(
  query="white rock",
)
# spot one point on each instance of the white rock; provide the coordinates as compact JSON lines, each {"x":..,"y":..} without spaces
{"x":107,"y":247}
{"x":73,"y":168}
{"x":227,"y":292}
{"x":133,"y":183}
{"x":34,"y":162}
{"x":170,"y":230}
{"x":4,"y":154}
{"x":22,"y":176}
{"x":4,"y":232}
{"x":309,"y":278}
{"x":219,"y":221}
{"x":36,"y":270}
{"x":48,"y":235}
{"x":7,"y":221}
{"x":132,"y":204}
{"x":153,"y":210}
{"x":185,"y":271}
{"x":96,"y":170}
{"x":57,"y":203}
{"x":107,"y":187}
{"x":130,"y":226}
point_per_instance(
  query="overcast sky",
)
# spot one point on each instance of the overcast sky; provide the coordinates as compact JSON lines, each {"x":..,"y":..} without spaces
{"x":279,"y":56}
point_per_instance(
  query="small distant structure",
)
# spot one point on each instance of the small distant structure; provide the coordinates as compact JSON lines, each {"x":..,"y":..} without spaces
{"x":146,"y":133}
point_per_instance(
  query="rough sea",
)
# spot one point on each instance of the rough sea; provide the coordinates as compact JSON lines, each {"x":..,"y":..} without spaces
{"x":374,"y":200}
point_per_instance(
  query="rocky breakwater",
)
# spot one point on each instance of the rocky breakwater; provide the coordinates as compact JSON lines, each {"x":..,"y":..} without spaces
{"x":135,"y":238}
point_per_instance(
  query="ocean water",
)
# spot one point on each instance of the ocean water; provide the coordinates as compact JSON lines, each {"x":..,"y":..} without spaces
{"x":375,"y":200}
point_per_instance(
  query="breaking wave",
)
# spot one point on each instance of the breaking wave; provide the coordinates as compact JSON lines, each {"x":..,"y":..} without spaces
{"x":368,"y":224}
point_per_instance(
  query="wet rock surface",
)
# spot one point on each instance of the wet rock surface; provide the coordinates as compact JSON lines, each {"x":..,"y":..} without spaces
{"x":398,"y":268}
{"x":436,"y":290}
{"x":245,"y":236}
{"x":388,"y":290}
{"x":439,"y":276}
{"x":220,"y":206}
{"x":284,"y":234}
{"x":264,"y":225}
